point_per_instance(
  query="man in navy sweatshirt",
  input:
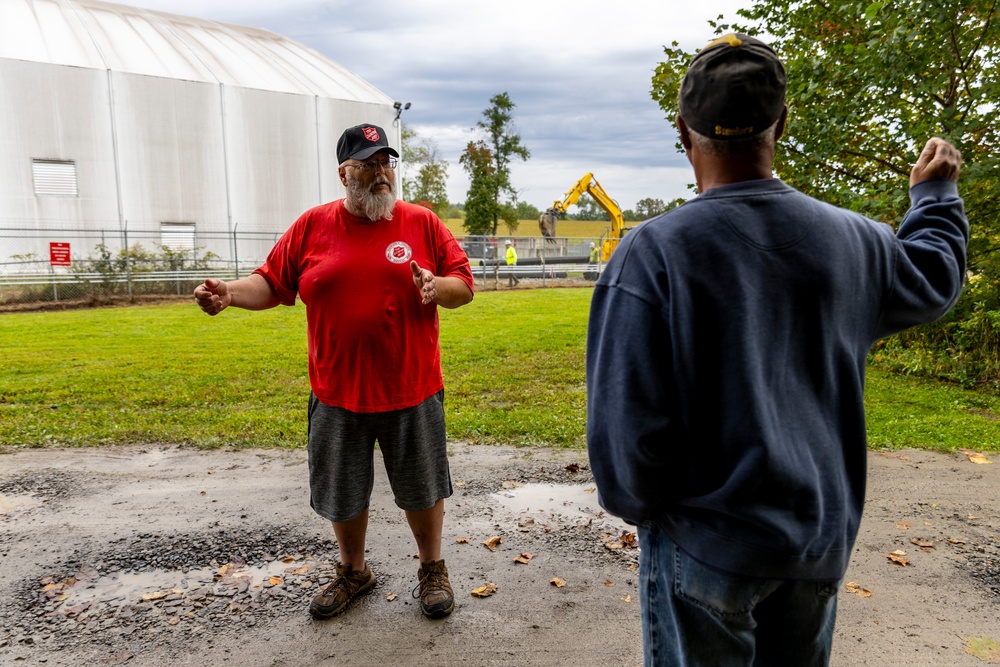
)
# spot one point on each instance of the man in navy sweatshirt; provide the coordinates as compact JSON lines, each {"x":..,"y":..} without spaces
{"x":726,"y":358}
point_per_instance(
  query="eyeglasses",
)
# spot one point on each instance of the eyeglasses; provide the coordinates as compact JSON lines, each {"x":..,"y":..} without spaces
{"x":372,"y":165}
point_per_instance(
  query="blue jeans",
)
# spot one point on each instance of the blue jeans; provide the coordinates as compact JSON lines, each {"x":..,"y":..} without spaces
{"x":696,"y":616}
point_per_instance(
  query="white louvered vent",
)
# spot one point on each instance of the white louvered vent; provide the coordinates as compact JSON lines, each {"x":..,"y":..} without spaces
{"x":54,"y":178}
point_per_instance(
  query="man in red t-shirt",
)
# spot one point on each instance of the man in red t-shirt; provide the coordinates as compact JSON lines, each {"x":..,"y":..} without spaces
{"x":374,"y":358}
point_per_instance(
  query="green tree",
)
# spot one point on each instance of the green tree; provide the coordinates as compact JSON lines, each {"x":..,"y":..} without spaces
{"x":526,"y":211}
{"x":587,"y":208}
{"x":868,"y":83}
{"x":480,"y":207}
{"x":505,"y":144}
{"x":427,"y":186}
{"x":649,"y":207}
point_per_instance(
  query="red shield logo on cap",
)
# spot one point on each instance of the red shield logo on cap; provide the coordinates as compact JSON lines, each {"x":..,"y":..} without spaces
{"x":371,"y":134}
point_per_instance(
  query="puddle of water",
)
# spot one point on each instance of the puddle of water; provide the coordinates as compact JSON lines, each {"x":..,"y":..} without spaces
{"x":572,"y":501}
{"x":12,"y":505}
{"x":129,"y":587}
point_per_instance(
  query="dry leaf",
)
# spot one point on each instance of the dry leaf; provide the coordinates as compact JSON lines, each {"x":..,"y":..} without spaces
{"x":485,"y":591}
{"x":612,"y":545}
{"x":854,"y":587}
{"x":897,"y":557}
{"x":275,"y":581}
{"x":976,"y":457}
{"x":158,"y":595}
{"x":627,"y":598}
{"x":390,"y":597}
{"x":903,"y":525}
{"x":573,"y":467}
{"x":524,"y":558}
{"x":226,"y":569}
{"x":609,"y":583}
{"x":984,"y":648}
{"x":922,"y":544}
{"x":288,"y":559}
{"x":955,"y":540}
{"x":492,"y":542}
{"x":590,"y":490}
{"x":557,"y":582}
{"x":628,"y":540}
{"x":462,"y":540}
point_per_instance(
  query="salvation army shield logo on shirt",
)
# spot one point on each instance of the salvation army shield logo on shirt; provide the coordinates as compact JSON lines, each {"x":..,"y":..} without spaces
{"x":398,"y":252}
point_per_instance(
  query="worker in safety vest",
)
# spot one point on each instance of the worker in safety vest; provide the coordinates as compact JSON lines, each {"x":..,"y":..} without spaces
{"x":511,"y":261}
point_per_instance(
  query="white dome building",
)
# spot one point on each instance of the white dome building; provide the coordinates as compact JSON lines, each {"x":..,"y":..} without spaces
{"x":164,"y":129}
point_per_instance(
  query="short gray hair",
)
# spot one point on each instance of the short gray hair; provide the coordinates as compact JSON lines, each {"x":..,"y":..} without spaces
{"x":733,"y":147}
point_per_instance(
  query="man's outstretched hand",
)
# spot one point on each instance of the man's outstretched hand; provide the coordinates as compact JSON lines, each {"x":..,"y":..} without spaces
{"x":212,"y":296}
{"x":939,"y":159}
{"x":425,"y":282}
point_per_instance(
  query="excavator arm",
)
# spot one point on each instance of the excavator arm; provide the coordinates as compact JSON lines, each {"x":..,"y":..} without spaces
{"x":588,"y":184}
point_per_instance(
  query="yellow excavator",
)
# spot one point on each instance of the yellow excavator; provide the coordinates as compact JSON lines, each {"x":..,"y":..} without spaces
{"x":588,"y":184}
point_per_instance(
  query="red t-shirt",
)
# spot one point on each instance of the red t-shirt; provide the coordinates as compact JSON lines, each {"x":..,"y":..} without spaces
{"x":373,"y":346}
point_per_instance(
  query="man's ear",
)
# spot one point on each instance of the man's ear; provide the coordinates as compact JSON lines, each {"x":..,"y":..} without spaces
{"x":342,"y":172}
{"x":685,"y":134}
{"x":779,"y":129}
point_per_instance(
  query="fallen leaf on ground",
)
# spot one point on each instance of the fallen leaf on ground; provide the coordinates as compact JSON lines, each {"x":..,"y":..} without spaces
{"x":226,"y":569}
{"x":557,"y":582}
{"x":984,"y":648}
{"x":921,"y":543}
{"x":573,"y":467}
{"x":524,"y":558}
{"x":590,"y":490}
{"x":390,"y":596}
{"x":462,"y":540}
{"x":288,"y":559}
{"x":492,"y":542}
{"x":976,"y":457}
{"x":609,"y":583}
{"x":628,"y":539}
{"x":275,"y":581}
{"x":897,"y":557}
{"x":955,"y":540}
{"x":485,"y":591}
{"x":903,"y":525}
{"x":613,"y":546}
{"x":158,"y":595}
{"x":627,"y":598}
{"x":854,"y":587}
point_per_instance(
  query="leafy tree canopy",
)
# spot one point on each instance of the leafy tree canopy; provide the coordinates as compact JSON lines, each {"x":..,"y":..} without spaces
{"x":428,"y":185}
{"x":504,"y":144}
{"x":868,"y":83}
{"x":480,"y":207}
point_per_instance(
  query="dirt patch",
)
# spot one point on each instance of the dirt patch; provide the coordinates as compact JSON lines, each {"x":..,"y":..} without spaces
{"x":150,"y":556}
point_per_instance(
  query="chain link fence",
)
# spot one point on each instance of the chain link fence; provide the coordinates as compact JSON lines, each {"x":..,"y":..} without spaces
{"x":66,"y":266}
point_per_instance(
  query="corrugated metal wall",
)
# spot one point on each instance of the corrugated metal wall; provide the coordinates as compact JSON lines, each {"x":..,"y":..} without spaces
{"x":167,"y":119}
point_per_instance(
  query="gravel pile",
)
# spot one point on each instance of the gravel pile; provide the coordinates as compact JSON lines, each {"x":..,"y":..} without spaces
{"x":166,"y":587}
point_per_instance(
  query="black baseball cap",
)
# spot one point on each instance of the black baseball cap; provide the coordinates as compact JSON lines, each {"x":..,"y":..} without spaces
{"x":734,"y":88}
{"x":362,"y":141}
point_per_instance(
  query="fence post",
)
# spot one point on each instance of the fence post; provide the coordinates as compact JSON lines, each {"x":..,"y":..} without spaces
{"x":55,"y":285}
{"x":236,"y":252}
{"x":128,"y":264}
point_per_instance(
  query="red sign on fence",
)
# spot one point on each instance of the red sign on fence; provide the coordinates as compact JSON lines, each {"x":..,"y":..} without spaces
{"x":59,"y":254}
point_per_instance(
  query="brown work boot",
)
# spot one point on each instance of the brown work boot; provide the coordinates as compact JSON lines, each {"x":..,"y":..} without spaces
{"x":348,"y":585}
{"x":436,"y":597}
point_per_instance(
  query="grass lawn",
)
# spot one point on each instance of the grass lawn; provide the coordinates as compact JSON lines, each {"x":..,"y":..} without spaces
{"x":513,"y":365}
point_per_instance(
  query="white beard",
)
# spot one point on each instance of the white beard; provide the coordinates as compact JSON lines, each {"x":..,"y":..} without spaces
{"x":372,"y":205}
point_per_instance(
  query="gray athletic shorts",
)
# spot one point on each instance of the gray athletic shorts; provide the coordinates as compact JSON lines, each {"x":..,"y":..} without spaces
{"x":342,"y":457}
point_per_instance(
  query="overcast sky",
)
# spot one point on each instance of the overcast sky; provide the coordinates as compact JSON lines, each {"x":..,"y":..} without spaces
{"x":579,"y":72}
